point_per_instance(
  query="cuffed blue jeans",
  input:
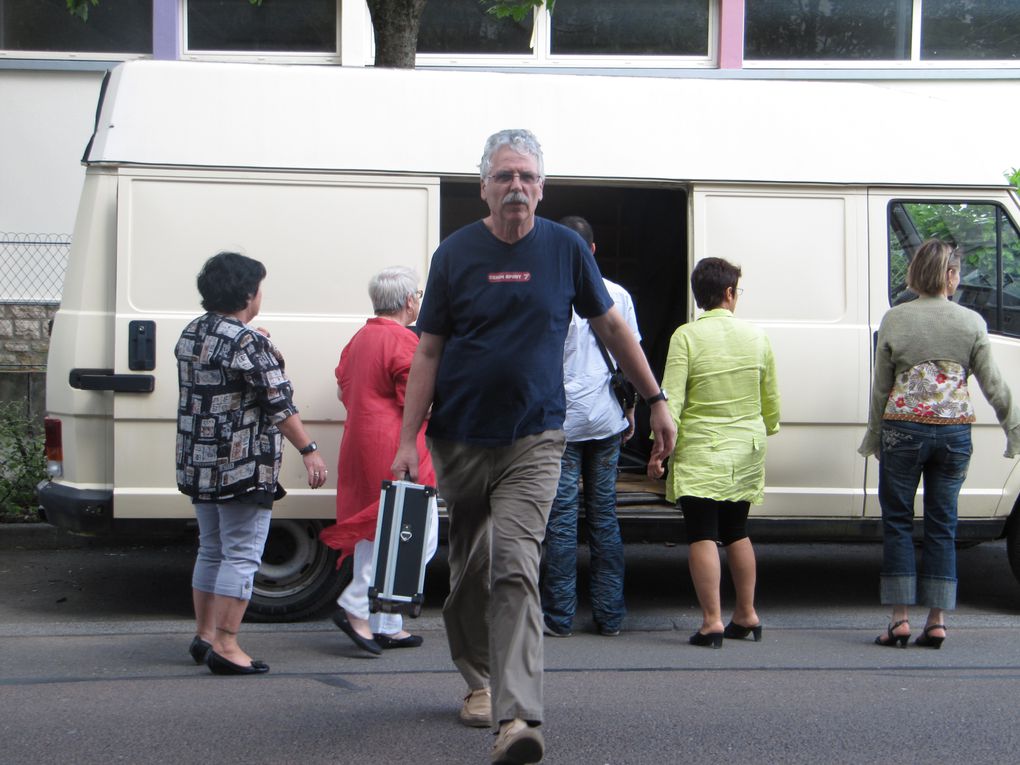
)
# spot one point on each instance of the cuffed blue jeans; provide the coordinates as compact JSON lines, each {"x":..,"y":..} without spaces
{"x":940,"y":454}
{"x":596,"y":462}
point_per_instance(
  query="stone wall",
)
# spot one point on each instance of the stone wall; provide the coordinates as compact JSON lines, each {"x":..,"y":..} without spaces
{"x":24,"y":336}
{"x":24,"y":341}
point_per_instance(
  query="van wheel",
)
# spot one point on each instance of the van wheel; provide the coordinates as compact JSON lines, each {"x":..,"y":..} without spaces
{"x":298,"y":575}
{"x":1013,"y":546}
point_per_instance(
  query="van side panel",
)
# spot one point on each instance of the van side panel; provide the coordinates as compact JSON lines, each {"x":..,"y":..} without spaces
{"x":805,"y":284}
{"x":321,"y":238}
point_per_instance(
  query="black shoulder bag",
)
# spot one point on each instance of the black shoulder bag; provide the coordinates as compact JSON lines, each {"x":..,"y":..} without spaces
{"x":623,"y":390}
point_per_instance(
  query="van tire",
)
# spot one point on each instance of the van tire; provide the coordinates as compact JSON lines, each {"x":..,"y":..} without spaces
{"x":1013,"y":544}
{"x":298,"y":576}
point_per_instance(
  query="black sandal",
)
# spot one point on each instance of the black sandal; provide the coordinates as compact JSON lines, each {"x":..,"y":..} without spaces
{"x":893,"y":640}
{"x":928,"y":641}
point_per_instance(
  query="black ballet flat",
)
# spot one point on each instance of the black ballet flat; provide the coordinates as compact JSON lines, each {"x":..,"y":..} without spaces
{"x":892,"y":640}
{"x":199,"y":649}
{"x":366,"y":644}
{"x":713,"y":639}
{"x":927,"y":641}
{"x":385,"y":641}
{"x":736,"y":631}
{"x":221,"y":666}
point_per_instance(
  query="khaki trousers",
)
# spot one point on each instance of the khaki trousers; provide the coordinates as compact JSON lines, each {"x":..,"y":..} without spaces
{"x":498,"y":501}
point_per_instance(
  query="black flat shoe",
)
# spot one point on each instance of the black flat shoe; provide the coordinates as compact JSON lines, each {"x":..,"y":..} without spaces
{"x":927,"y":641}
{"x":199,"y":649}
{"x":892,"y":640}
{"x":366,"y":644}
{"x":220,"y":666}
{"x":705,"y":640}
{"x":736,"y":631}
{"x":385,"y":641}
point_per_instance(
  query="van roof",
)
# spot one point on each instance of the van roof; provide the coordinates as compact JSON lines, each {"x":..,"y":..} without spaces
{"x":598,"y":127}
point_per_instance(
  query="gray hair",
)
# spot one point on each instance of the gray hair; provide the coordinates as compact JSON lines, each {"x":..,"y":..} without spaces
{"x":520,"y":140}
{"x":391,"y":287}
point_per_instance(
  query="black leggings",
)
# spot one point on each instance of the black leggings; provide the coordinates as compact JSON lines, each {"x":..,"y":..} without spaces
{"x":719,"y":520}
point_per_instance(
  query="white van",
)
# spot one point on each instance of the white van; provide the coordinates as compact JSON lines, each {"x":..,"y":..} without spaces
{"x":818,"y":190}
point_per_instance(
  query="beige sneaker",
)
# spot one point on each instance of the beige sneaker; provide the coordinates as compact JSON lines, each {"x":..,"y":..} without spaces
{"x":477,"y":709}
{"x":518,"y":744}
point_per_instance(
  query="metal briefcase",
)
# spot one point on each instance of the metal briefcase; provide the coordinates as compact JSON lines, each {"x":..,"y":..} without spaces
{"x":402,"y":532}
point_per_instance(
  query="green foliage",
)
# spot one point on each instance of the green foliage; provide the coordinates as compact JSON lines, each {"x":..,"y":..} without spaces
{"x":517,"y":9}
{"x":80,"y":8}
{"x":1013,"y":176}
{"x":22,"y":464}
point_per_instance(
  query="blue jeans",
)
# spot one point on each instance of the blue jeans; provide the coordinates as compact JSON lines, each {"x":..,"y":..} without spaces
{"x":940,"y":453}
{"x":596,"y":462}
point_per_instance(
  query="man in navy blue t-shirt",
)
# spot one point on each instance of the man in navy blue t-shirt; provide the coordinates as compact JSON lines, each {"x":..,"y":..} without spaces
{"x":490,"y":364}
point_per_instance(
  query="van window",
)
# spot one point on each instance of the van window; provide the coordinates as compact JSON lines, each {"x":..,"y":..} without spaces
{"x":990,"y":248}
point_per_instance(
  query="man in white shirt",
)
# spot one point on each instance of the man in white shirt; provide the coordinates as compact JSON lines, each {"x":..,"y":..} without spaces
{"x":596,"y":426}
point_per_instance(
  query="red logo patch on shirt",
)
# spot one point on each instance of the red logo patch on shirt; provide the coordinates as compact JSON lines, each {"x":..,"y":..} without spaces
{"x":503,"y":277}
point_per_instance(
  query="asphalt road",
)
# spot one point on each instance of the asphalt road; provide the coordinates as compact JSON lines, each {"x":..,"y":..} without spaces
{"x":94,"y":669}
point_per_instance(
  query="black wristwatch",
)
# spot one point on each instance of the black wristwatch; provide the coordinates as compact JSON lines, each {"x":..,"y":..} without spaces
{"x":312,"y":447}
{"x":660,"y":396}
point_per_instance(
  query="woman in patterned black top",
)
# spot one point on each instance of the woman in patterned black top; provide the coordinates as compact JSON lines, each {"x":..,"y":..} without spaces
{"x":236,"y":405}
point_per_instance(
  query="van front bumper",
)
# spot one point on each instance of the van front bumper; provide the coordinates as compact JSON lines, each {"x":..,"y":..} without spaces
{"x":87,"y":511}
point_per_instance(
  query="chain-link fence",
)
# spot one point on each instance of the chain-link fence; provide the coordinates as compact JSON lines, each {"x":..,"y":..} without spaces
{"x":32,"y":267}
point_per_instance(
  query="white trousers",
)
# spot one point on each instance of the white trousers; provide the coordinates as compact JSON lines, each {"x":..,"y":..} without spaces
{"x":354,"y":598}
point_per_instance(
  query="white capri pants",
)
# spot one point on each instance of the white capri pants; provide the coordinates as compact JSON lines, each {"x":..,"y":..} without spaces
{"x":354,"y":598}
{"x":231,"y":538}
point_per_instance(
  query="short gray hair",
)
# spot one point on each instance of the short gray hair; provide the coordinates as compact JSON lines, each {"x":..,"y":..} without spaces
{"x":520,"y":140}
{"x":390,"y":288}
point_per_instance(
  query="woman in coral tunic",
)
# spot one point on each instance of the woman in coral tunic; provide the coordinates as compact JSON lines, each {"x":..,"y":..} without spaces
{"x":371,"y":379}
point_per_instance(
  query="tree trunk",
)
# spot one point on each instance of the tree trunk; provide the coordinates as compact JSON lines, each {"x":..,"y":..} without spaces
{"x":396,"y":31}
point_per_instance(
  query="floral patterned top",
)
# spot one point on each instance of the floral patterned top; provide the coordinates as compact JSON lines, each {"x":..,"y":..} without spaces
{"x":233,"y":394}
{"x":932,"y":392}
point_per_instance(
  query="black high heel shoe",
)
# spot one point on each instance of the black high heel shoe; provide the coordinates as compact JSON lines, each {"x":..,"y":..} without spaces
{"x":892,"y":640}
{"x":736,"y":631}
{"x":928,"y":641}
{"x":705,"y":640}
{"x":199,"y":649}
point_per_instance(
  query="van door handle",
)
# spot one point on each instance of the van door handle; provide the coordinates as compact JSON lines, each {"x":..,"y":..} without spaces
{"x":105,"y":379}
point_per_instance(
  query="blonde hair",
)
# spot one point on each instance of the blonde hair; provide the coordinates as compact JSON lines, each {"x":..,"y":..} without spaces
{"x":928,"y":272}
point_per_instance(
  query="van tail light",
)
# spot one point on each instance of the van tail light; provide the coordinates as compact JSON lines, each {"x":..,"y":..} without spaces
{"x":54,"y":446}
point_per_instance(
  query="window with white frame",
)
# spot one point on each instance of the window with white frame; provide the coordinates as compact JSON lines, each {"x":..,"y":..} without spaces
{"x":114,"y":27}
{"x":233,"y":26}
{"x":911,"y":31}
{"x":579,"y":32}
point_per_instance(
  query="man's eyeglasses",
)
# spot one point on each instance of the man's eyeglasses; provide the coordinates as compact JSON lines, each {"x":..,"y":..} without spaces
{"x":418,"y":294}
{"x":506,"y":176}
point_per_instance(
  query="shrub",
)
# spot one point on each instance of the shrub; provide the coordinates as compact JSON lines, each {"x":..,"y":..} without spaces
{"x":22,"y":464}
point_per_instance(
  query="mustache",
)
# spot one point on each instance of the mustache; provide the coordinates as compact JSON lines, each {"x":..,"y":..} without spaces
{"x":515,"y":197}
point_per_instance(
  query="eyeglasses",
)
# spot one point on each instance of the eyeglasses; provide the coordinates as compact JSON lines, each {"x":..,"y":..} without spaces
{"x":505,"y":176}
{"x":418,"y":294}
{"x":740,"y":291}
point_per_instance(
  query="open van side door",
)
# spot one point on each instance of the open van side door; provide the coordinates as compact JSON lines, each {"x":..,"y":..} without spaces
{"x":321,"y":237}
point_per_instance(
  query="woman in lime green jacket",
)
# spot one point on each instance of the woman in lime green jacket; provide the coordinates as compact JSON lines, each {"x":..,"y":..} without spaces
{"x":721,"y":381}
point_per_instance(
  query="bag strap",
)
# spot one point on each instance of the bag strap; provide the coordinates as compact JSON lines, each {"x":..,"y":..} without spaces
{"x":605,"y":353}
